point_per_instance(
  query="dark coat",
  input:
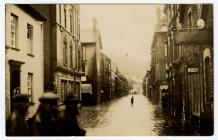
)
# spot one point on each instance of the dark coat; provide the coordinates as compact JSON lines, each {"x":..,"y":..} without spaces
{"x":16,"y":125}
{"x":68,"y":125}
{"x":44,"y":126}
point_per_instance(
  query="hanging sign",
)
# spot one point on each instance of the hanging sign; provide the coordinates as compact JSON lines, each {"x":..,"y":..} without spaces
{"x":192,"y":70}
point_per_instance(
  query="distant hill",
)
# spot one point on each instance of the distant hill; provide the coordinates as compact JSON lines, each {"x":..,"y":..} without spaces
{"x":130,"y":67}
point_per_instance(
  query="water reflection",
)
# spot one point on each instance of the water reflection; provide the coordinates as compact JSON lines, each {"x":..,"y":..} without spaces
{"x":118,"y":118}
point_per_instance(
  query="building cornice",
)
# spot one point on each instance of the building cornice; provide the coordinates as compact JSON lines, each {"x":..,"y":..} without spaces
{"x":69,"y":71}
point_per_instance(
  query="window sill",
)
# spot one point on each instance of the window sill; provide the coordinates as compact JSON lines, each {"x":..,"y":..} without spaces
{"x":30,"y":54}
{"x":16,"y":49}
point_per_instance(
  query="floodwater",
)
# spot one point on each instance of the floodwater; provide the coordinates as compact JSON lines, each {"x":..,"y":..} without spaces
{"x":119,"y":118}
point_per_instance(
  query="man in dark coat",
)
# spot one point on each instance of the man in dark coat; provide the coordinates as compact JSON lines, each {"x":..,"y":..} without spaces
{"x":67,"y":121}
{"x":44,"y":120}
{"x":132,"y":100}
{"x":16,"y":124}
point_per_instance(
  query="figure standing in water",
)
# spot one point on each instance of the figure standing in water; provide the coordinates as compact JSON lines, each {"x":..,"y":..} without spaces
{"x":132,"y":100}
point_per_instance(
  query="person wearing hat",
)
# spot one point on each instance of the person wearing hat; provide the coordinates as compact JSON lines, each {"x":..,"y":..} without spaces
{"x":16,"y":124}
{"x":67,"y":121}
{"x":44,"y":119}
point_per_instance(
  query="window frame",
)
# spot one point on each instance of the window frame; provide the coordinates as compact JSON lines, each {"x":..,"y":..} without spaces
{"x":30,"y":86}
{"x":65,"y":18}
{"x":71,"y":55}
{"x":29,"y":39}
{"x":71,"y":22}
{"x":65,"y":57}
{"x":14,"y":32}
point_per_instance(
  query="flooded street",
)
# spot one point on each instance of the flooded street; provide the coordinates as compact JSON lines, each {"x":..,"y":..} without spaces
{"x":119,"y":118}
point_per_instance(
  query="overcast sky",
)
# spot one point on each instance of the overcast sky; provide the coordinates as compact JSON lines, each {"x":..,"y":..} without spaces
{"x":125,"y":29}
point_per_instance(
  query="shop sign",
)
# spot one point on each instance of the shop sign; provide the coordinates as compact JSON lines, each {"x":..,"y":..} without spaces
{"x":78,"y":79}
{"x":192,"y":70}
{"x":83,"y":78}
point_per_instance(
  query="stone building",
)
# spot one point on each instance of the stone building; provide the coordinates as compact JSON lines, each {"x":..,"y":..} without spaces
{"x":106,"y":78}
{"x":147,"y":84}
{"x":190,"y":61}
{"x":121,"y":84}
{"x":159,"y":59}
{"x":91,"y":51}
{"x":113,"y":78}
{"x":62,"y":49}
{"x":23,"y":54}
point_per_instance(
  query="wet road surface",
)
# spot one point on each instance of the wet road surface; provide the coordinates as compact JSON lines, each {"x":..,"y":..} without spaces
{"x":119,"y":118}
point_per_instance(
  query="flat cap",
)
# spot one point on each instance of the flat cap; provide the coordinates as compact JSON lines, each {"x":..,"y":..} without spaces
{"x":71,"y":99}
{"x":21,"y":98}
{"x":48,"y":96}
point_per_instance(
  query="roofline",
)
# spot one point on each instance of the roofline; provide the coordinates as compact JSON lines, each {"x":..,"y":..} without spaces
{"x":32,"y":12}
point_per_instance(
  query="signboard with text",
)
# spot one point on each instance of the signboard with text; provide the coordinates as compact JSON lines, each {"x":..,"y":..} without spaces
{"x":192,"y":70}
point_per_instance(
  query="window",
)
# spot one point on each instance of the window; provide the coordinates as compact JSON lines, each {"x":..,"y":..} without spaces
{"x":29,"y":38}
{"x":71,"y":23}
{"x":30,"y":86}
{"x":13,"y":36}
{"x":65,"y":53}
{"x":199,"y":9}
{"x":65,"y":18}
{"x":190,"y":18}
{"x":84,"y":53}
{"x":78,"y":27}
{"x":75,"y":55}
{"x":79,"y":59}
{"x":74,"y":21}
{"x":77,"y":90}
{"x":60,"y":14}
{"x":71,"y":55}
{"x":63,"y":89}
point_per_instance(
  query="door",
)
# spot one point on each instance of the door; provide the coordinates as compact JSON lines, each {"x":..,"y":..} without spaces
{"x":14,"y":81}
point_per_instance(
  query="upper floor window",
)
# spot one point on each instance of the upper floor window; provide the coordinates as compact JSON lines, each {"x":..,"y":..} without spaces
{"x":60,"y":14}
{"x":74,"y":21}
{"x":65,"y":53}
{"x":84,"y":53}
{"x":78,"y":27}
{"x":199,"y":9}
{"x":13,"y":35}
{"x":29,"y":38}
{"x":65,"y":18}
{"x":71,"y":55}
{"x":190,"y":18}
{"x":75,"y":59}
{"x":71,"y":23}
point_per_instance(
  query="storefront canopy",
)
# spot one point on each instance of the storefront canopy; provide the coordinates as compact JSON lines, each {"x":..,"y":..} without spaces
{"x":197,"y":37}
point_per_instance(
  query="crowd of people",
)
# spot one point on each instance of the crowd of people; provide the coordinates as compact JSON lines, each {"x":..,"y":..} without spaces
{"x":47,"y":121}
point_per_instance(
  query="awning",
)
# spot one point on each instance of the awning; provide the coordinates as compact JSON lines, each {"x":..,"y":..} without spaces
{"x":198,"y":37}
{"x":87,"y":88}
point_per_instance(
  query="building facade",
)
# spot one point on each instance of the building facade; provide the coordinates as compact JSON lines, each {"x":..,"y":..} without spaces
{"x":121,"y":84}
{"x":190,"y":61}
{"x":106,"y":78}
{"x":23,"y":54}
{"x":158,"y":59}
{"x":62,"y":49}
{"x":91,"y":51}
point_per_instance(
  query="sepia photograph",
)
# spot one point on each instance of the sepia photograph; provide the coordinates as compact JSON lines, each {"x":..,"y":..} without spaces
{"x":109,"y":69}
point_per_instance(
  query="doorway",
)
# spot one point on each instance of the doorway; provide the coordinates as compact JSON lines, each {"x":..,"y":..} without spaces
{"x":14,"y":80}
